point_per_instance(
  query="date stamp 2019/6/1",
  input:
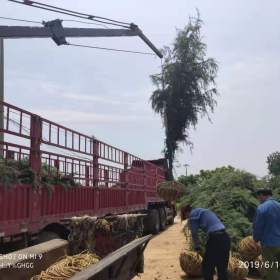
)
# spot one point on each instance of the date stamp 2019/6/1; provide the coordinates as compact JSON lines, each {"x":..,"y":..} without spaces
{"x":259,"y":264}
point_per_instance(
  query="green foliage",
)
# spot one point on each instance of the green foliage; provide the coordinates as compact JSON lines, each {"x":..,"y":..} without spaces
{"x":8,"y":175}
{"x":14,"y":172}
{"x":185,"y":89}
{"x":229,"y":193}
{"x":273,"y":183}
{"x":273,"y":161}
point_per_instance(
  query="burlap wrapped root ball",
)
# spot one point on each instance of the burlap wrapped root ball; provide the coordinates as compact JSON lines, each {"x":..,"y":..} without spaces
{"x":82,"y":234}
{"x":259,"y":267}
{"x":249,"y":249}
{"x":103,"y":226}
{"x":170,"y":190}
{"x":237,"y":269}
{"x":187,"y":230}
{"x":191,"y":263}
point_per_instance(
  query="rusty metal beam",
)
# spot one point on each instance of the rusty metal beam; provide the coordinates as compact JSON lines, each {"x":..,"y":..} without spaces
{"x":101,"y":270}
{"x":1,"y":94}
{"x":146,"y":40}
{"x":17,"y":32}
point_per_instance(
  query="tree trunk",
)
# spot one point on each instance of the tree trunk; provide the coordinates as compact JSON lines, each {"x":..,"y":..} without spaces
{"x":170,"y":158}
{"x":170,"y":169}
{"x":169,"y":153}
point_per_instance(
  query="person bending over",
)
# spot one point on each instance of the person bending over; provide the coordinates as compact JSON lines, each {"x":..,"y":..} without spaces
{"x":218,"y":242}
{"x":266,"y":229}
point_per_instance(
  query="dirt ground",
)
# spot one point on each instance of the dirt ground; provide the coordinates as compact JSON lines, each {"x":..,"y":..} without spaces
{"x":162,"y":255}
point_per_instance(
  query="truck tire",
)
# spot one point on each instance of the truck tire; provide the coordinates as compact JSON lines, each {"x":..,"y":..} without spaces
{"x":152,"y":222}
{"x":45,"y":236}
{"x":174,"y":213}
{"x":140,"y":264}
{"x":171,"y":221}
{"x":162,"y":216}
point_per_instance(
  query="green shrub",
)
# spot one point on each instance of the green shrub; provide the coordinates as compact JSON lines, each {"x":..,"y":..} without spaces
{"x":229,"y":193}
{"x":14,"y":172}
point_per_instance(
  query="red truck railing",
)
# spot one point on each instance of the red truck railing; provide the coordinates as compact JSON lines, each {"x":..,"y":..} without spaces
{"x":92,"y":161}
{"x":112,"y":180}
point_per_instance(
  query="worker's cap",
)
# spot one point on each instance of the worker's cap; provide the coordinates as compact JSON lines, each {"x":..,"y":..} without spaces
{"x":264,"y":191}
{"x":186,"y":207}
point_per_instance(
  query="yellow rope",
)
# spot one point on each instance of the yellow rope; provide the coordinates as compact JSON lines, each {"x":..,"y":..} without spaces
{"x":67,"y":267}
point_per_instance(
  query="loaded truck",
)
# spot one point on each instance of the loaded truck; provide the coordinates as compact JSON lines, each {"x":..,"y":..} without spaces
{"x":95,"y":179}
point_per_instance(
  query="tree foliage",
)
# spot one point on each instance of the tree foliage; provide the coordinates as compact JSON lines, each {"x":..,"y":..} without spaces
{"x":229,"y":193}
{"x":13,"y":172}
{"x":272,"y":181}
{"x":186,"y":87}
{"x":273,"y":161}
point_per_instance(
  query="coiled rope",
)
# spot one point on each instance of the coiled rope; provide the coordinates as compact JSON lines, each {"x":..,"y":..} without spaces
{"x":67,"y":267}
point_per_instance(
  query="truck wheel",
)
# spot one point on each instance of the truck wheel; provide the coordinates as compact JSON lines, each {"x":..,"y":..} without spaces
{"x":174,"y":213}
{"x":171,"y":221}
{"x":140,"y":264}
{"x":162,"y":216}
{"x":155,"y":221}
{"x":45,"y":236}
{"x":152,"y":222}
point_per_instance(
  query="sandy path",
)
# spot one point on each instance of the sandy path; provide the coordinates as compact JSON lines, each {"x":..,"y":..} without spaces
{"x":162,"y":255}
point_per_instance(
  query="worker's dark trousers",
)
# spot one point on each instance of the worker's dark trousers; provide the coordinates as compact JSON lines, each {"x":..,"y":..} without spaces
{"x":216,"y":256}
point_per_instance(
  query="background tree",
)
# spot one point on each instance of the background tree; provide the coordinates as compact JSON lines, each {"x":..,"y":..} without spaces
{"x":273,"y":179}
{"x":229,"y":193}
{"x":273,"y":161}
{"x":185,"y":89}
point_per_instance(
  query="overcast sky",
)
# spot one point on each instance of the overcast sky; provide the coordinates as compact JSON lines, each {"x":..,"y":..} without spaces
{"x":107,"y":94}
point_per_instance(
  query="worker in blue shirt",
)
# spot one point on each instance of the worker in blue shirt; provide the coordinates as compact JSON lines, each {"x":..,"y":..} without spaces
{"x":218,"y":242}
{"x":266,"y":230}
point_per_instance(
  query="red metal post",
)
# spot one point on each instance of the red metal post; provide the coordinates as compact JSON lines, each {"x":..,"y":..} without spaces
{"x":87,"y":175}
{"x":125,"y":167}
{"x":157,"y":177}
{"x":125,"y":185}
{"x":145,"y":171}
{"x":35,"y":163}
{"x":36,"y":139}
{"x":106,"y":178}
{"x":95,"y":149}
{"x":125,"y":161}
{"x":10,"y":154}
{"x":56,"y":164}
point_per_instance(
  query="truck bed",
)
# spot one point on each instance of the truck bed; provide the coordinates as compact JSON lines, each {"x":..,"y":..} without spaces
{"x":109,"y":180}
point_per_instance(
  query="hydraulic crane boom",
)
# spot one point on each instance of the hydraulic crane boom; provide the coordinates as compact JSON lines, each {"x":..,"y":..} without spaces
{"x":54,"y":29}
